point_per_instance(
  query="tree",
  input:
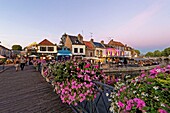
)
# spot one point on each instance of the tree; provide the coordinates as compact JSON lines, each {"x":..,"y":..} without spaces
{"x":63,"y":39}
{"x":138,"y":52}
{"x":166,"y":52}
{"x":149,"y":54}
{"x":157,"y":53}
{"x":16,"y":47}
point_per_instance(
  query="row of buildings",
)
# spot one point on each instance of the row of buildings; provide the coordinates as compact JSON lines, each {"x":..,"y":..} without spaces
{"x":5,"y":52}
{"x":76,"y":47}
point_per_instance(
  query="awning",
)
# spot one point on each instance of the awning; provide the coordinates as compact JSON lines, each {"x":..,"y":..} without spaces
{"x":64,"y":54}
{"x":33,"y":56}
{"x":2,"y":56}
{"x":91,"y":58}
{"x":50,"y":56}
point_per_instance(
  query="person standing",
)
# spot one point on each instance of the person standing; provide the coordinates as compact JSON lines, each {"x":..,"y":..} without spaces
{"x":125,"y":62}
{"x":16,"y":64}
{"x":22,"y":63}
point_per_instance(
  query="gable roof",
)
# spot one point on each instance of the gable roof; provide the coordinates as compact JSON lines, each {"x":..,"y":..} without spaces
{"x":74,"y":40}
{"x":97,"y":44}
{"x":5,"y":48}
{"x":115,"y":43}
{"x":46,"y":42}
{"x":108,"y":46}
{"x":88,"y":44}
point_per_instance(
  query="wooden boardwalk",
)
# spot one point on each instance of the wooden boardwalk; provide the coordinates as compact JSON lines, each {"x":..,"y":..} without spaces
{"x":27,"y":92}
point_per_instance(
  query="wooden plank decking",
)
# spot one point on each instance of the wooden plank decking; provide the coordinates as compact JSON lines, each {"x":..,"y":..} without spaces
{"x":27,"y":92}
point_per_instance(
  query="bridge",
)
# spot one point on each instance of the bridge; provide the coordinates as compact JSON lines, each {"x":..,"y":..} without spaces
{"x":27,"y":92}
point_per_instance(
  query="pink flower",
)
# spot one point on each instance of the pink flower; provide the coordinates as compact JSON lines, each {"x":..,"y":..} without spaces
{"x":87,"y":71}
{"x":133,"y":81}
{"x":74,"y":87}
{"x":121,"y":89}
{"x":96,"y":66}
{"x":80,"y":76}
{"x":149,"y":83}
{"x":152,"y":76}
{"x":128,"y":107}
{"x":82,"y":71}
{"x":162,"y":111}
{"x":120,"y":104}
{"x":78,"y":69}
{"x":82,"y":99}
{"x":93,"y":73}
{"x":87,"y":77}
{"x":117,"y":80}
{"x":168,"y":67}
{"x":118,"y":93}
{"x":130,"y":101}
{"x":143,"y":75}
{"x":88,"y":85}
{"x":87,"y":66}
{"x":140,"y":103}
{"x":75,"y":104}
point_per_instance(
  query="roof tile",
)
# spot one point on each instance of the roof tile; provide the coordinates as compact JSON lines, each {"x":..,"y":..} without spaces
{"x":88,"y":44}
{"x":46,"y":42}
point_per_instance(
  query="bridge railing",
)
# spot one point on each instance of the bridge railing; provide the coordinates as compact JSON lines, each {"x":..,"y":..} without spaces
{"x":100,"y":104}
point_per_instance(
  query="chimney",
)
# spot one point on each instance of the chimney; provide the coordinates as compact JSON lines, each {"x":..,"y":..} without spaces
{"x":102,"y":42}
{"x":65,"y":34}
{"x":91,"y":40}
{"x":80,"y":38}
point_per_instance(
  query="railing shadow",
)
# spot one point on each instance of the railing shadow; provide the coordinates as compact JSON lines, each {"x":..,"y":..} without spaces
{"x":101,"y":103}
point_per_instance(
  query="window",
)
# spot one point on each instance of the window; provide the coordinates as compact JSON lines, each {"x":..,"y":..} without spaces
{"x":91,"y":54}
{"x":101,"y":53}
{"x":81,"y":50}
{"x":42,"y":48}
{"x":97,"y":52}
{"x":50,"y":48}
{"x":75,"y":50}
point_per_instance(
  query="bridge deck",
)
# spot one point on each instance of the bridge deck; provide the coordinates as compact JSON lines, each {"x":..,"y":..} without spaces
{"x":27,"y":92}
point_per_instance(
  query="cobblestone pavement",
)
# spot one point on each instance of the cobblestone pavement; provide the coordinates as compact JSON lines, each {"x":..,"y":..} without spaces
{"x":27,"y":92}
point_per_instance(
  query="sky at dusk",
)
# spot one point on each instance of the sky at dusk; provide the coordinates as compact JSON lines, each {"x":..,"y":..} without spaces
{"x":142,"y":24}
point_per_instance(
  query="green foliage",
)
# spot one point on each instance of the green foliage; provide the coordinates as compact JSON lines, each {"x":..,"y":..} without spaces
{"x":157,"y":53}
{"x":138,"y":52}
{"x":166,"y":52}
{"x":149,"y":54}
{"x":16,"y":47}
